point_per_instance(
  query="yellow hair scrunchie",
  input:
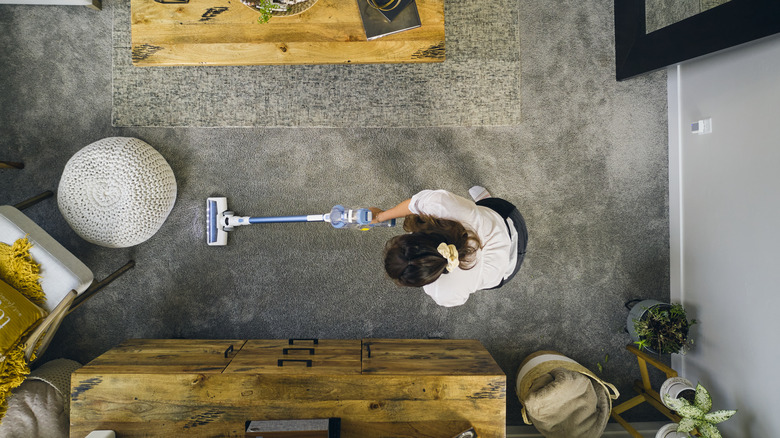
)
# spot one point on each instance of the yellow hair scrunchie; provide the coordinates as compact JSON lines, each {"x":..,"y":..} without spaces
{"x":450,"y":253}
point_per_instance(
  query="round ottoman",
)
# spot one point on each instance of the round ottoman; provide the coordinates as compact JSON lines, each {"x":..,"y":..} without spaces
{"x":116,"y":192}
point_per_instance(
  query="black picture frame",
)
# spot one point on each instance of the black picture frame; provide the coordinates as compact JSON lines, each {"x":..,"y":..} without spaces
{"x":730,"y":24}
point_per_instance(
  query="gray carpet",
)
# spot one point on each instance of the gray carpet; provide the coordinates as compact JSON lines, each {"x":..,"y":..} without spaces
{"x":477,"y":85}
{"x":587,"y":166}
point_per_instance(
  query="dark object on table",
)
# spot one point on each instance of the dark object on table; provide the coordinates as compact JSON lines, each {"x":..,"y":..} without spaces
{"x":392,"y":9}
{"x":470,"y":433}
{"x":377,"y":26}
{"x":312,"y":428}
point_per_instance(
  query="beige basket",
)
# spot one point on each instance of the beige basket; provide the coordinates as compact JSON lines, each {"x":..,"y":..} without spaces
{"x":292,"y":10}
{"x":543,"y":362}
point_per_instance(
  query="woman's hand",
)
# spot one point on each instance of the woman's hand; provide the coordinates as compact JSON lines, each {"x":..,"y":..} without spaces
{"x":399,"y":210}
{"x":376,"y":212}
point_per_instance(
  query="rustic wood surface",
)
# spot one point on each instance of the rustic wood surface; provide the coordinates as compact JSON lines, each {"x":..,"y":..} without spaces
{"x":327,"y":357}
{"x":226,"y":32}
{"x":148,"y":403}
{"x":427,"y":356}
{"x":166,"y":356}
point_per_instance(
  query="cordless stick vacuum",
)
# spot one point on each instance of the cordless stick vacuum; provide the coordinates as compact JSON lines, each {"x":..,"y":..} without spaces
{"x":220,"y":220}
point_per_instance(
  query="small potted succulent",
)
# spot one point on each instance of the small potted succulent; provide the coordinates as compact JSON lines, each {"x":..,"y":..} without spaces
{"x":697,"y":415}
{"x":660,"y":328}
{"x":270,"y":8}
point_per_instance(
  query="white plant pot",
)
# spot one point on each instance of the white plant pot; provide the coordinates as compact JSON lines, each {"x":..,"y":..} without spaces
{"x":674,"y":386}
{"x":670,"y":431}
{"x":636,"y":313}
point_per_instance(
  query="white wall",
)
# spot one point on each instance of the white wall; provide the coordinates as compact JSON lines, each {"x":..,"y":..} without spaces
{"x":725,"y":229}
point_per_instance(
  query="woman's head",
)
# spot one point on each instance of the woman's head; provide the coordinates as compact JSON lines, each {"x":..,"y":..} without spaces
{"x":414,"y":260}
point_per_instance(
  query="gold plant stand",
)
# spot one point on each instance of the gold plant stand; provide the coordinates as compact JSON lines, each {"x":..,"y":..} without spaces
{"x":645,"y":391}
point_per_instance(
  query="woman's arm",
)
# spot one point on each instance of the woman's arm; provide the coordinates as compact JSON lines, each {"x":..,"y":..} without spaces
{"x":399,"y":210}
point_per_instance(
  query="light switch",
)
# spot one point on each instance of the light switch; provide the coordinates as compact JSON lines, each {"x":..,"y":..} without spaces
{"x":702,"y":126}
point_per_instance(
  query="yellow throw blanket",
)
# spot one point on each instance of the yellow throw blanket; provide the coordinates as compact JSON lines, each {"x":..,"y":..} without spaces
{"x":18,"y":269}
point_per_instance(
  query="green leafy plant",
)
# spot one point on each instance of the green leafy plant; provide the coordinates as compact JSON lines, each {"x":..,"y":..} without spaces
{"x":600,"y":366}
{"x":664,"y":329}
{"x":698,"y":415}
{"x":265,"y":7}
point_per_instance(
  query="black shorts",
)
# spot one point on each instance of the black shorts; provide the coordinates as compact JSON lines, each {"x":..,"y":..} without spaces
{"x":506,"y":210}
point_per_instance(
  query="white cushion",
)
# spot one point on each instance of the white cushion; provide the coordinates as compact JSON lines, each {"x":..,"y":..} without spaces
{"x":40,"y":406}
{"x":35,"y":409}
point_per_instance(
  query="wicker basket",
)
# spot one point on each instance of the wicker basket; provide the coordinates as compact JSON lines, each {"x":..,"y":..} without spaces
{"x":550,"y":423}
{"x":291,"y":10}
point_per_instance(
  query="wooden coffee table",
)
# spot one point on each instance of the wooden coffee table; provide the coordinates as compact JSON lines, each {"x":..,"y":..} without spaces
{"x":422,"y":388}
{"x":226,"y":32}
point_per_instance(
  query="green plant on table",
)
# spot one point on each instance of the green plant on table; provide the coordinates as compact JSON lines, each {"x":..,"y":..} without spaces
{"x":698,"y":415}
{"x":265,"y":7}
{"x":664,"y":329}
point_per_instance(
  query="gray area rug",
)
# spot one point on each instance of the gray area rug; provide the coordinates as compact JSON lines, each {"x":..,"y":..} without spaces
{"x":477,"y":85}
{"x":587,"y":166}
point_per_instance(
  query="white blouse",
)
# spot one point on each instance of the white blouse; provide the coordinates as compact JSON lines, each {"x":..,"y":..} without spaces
{"x":492,"y":263}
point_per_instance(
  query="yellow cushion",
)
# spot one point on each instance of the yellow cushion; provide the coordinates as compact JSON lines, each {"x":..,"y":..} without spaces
{"x":17,"y":316}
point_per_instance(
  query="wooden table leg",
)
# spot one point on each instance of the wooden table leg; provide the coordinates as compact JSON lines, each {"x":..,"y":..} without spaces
{"x":34,"y":200}
{"x":97,"y":285}
{"x":11,"y":165}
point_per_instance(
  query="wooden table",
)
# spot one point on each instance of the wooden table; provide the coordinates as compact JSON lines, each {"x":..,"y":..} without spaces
{"x":377,"y":387}
{"x":226,"y":32}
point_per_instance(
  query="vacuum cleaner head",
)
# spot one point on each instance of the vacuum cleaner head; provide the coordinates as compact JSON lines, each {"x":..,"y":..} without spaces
{"x":216,"y":234}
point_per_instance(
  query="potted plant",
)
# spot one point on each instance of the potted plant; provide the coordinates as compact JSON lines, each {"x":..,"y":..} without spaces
{"x":677,"y":387}
{"x":697,"y":415}
{"x":660,"y":328}
{"x":670,"y":431}
{"x":270,"y":8}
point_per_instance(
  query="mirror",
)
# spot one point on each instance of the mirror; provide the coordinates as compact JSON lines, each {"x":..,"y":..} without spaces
{"x":687,"y":34}
{"x":662,"y":13}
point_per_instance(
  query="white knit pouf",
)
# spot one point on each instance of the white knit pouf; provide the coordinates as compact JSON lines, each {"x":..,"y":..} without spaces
{"x":117,"y":192}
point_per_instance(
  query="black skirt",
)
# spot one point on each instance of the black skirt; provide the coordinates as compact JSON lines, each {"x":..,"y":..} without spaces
{"x":506,"y":209}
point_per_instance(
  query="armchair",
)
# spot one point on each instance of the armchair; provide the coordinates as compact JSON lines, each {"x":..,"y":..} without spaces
{"x":66,"y":281}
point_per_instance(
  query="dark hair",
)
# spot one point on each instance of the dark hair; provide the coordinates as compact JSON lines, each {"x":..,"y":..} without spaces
{"x":413,"y":259}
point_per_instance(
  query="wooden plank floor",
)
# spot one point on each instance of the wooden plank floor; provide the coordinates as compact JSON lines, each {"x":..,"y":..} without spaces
{"x":226,"y":32}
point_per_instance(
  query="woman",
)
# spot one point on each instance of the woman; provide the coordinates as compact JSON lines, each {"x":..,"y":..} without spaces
{"x":455,"y":247}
